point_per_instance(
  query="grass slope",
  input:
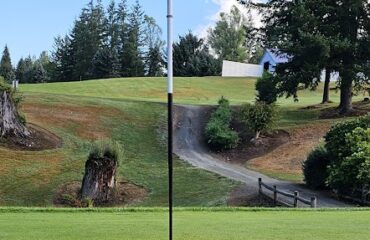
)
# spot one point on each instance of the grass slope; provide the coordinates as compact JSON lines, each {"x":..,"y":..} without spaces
{"x":32,"y":178}
{"x":188,"y":224}
{"x":206,"y":90}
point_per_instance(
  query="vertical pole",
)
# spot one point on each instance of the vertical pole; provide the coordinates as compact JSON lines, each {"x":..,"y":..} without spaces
{"x":260,"y":186}
{"x":170,"y":117}
{"x":313,"y":202}
{"x":296,"y":195}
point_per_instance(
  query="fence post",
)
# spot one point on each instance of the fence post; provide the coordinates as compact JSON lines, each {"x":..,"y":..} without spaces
{"x":275,"y":196}
{"x":296,"y":195}
{"x":313,"y":202}
{"x":260,"y":185}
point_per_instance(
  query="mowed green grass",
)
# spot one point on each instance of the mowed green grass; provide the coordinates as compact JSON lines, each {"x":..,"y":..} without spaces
{"x":196,"y":90}
{"x":188,"y":224}
{"x":33,"y":178}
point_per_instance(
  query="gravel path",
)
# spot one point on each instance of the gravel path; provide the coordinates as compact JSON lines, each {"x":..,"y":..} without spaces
{"x":189,"y":146}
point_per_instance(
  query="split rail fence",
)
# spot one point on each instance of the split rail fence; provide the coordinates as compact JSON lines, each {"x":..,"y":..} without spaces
{"x":294,"y":196}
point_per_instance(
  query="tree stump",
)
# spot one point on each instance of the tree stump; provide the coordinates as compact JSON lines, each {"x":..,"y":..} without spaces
{"x":10,"y":124}
{"x":99,"y":180}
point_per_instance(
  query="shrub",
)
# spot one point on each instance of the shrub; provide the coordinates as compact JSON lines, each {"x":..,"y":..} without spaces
{"x":105,"y":149}
{"x":336,"y":138}
{"x":259,"y":117}
{"x":353,"y":170}
{"x":266,"y":89}
{"x":315,"y":168}
{"x":218,"y":132}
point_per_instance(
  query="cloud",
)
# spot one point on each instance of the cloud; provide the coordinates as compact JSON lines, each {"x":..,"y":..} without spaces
{"x":225,"y":6}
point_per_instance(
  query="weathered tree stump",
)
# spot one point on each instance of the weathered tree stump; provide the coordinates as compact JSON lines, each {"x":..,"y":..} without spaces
{"x":99,"y":181}
{"x":10,"y":124}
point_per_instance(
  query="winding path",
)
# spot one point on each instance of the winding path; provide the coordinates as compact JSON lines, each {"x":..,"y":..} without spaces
{"x":189,"y":146}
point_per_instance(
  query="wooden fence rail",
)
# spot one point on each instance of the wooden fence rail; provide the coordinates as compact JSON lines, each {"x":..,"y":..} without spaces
{"x":295,"y":196}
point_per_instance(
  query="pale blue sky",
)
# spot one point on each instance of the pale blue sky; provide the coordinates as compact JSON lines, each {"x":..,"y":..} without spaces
{"x":29,"y":26}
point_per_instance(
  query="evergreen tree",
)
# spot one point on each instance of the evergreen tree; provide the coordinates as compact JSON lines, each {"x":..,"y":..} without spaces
{"x":132,"y":57}
{"x":39,"y":75}
{"x":191,"y":57}
{"x":63,"y":60}
{"x":20,"y":70}
{"x":86,"y":39}
{"x":6,"y":68}
{"x":28,"y":70}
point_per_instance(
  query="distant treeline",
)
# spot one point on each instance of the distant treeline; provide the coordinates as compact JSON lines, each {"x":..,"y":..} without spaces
{"x":122,"y":41}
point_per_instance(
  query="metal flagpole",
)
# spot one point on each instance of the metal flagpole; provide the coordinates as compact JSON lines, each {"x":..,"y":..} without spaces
{"x":170,"y":116}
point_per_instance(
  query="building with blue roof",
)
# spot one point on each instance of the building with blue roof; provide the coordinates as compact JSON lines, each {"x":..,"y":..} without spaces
{"x":270,"y":60}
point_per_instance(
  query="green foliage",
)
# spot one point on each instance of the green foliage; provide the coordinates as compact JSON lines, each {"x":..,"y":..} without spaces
{"x":352,"y":171}
{"x":315,"y":168}
{"x":218,"y":132}
{"x":6,"y":68}
{"x":313,"y":41}
{"x":191,"y":57}
{"x":259,"y":117}
{"x":106,"y":149}
{"x":228,"y":38}
{"x":266,"y":88}
{"x":32,"y":70}
{"x":87,"y":203}
{"x":4,"y":86}
{"x":336,"y":137}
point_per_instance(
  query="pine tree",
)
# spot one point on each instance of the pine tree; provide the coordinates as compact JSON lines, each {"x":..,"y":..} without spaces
{"x":86,"y":39}
{"x":63,"y":59}
{"x":6,"y":68}
{"x":20,"y":70}
{"x":39,"y":73}
{"x":191,"y":57}
{"x":132,"y":58}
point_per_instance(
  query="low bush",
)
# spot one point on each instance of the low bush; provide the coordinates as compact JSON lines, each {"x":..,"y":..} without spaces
{"x":336,"y":138}
{"x":218,"y":131}
{"x":352,"y":171}
{"x":315,"y":168}
{"x":259,"y":118}
{"x":266,"y":89}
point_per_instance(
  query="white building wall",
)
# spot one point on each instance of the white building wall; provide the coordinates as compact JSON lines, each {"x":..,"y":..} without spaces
{"x":235,"y":69}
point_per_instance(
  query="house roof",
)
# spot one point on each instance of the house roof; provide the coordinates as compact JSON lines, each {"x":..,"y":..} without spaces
{"x":277,"y":58}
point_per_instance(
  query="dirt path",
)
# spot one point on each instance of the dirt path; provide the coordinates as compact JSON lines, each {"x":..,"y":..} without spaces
{"x":189,"y":146}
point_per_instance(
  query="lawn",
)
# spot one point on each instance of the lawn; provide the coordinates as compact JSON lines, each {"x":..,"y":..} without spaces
{"x":196,"y":90}
{"x":210,"y":224}
{"x":32,"y":178}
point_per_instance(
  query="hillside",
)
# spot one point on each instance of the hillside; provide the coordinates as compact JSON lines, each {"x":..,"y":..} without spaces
{"x":206,"y":90}
{"x":33,"y":178}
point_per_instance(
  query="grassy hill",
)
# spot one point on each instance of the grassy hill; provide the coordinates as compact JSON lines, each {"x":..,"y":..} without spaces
{"x":130,"y":112}
{"x":32,"y":178}
{"x":196,"y":224}
{"x":195,"y":90}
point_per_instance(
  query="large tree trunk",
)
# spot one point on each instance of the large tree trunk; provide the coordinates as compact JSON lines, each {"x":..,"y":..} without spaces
{"x":99,"y":180}
{"x":10,"y":125}
{"x":346,"y":95}
{"x":326,"y":95}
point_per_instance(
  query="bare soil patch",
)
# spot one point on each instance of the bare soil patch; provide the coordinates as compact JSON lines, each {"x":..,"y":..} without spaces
{"x":248,"y":150}
{"x":288,"y":158}
{"x":40,"y":139}
{"x":127,"y":193}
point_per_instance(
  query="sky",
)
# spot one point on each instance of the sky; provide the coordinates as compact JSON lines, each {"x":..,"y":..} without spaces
{"x":29,"y":27}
